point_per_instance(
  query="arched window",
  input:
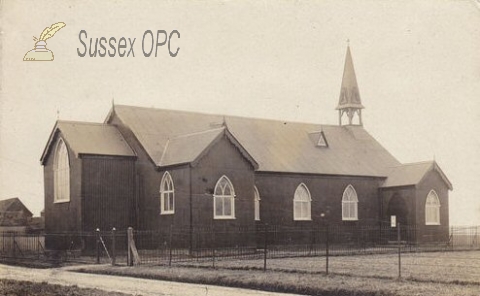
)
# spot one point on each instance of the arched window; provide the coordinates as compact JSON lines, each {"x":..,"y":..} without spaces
{"x":167,"y":195}
{"x":224,"y":199}
{"x":349,"y":204}
{"x":432,"y":209}
{"x":302,"y":203}
{"x":257,"y":203}
{"x":61,"y":177}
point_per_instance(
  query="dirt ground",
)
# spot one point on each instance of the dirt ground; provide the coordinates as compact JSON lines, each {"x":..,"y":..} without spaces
{"x":133,"y":286}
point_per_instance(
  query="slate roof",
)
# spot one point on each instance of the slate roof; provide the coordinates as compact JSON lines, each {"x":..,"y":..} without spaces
{"x":186,"y":148}
{"x":190,"y":148}
{"x":412,"y":174}
{"x":276,"y":146}
{"x":90,"y":138}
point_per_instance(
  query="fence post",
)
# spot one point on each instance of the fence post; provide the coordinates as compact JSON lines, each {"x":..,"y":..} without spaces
{"x":327,"y":248}
{"x":399,"y":251}
{"x":265,"y":247}
{"x":14,"y":245}
{"x":213,"y":246}
{"x":66,"y":250}
{"x":313,"y":249}
{"x":114,"y":253}
{"x":476,"y":236}
{"x":97,"y":233}
{"x":452,"y":238}
{"x":129,"y":246}
{"x":170,"y":247}
{"x":36,"y":246}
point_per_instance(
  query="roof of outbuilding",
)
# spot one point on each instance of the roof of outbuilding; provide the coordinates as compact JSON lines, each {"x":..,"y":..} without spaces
{"x":13,"y":204}
{"x":412,"y":174}
{"x":276,"y":146}
{"x":90,"y":138}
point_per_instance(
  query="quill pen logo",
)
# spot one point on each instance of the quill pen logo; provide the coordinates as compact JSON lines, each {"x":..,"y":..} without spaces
{"x":41,"y":52}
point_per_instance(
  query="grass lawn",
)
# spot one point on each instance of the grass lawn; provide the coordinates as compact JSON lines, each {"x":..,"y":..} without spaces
{"x":23,"y":288}
{"x":442,"y":267}
{"x":439,"y":274}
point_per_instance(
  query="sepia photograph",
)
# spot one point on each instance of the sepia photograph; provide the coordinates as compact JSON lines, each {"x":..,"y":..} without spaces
{"x":235,"y":147}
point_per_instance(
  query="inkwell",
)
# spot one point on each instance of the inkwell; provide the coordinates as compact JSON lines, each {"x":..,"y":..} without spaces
{"x":41,"y":52}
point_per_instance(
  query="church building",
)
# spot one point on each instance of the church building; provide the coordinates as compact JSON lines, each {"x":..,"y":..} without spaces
{"x":153,"y":169}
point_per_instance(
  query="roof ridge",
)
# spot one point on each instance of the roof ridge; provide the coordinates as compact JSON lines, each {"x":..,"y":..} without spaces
{"x":9,"y":199}
{"x":226,"y":115}
{"x":413,"y":163}
{"x":84,"y":122}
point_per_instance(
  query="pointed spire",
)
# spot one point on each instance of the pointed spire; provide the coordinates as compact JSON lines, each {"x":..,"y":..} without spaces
{"x":349,"y":101}
{"x":349,"y":94}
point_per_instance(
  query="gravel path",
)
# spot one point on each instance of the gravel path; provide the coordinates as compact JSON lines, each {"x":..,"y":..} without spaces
{"x":134,"y":286}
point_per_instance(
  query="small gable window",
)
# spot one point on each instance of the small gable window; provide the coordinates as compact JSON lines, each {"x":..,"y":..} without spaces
{"x":349,"y":204}
{"x":224,"y":199}
{"x":322,"y":141}
{"x":319,"y":139}
{"x":257,"y":203}
{"x":432,"y":209}
{"x":61,"y":173}
{"x":302,"y":203}
{"x":167,"y":195}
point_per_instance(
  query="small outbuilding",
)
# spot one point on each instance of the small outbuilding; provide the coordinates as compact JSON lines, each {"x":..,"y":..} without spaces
{"x":14,"y":215}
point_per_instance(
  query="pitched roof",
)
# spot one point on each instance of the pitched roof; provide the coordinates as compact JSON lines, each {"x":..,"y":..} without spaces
{"x":276,"y":146}
{"x":191,"y":147}
{"x":90,"y":138}
{"x":349,"y":93}
{"x":13,"y":204}
{"x":412,"y":174}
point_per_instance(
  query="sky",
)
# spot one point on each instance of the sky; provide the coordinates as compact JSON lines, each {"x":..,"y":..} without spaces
{"x":417,"y":67}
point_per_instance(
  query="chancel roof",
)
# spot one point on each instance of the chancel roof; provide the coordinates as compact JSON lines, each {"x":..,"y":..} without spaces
{"x":412,"y":174}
